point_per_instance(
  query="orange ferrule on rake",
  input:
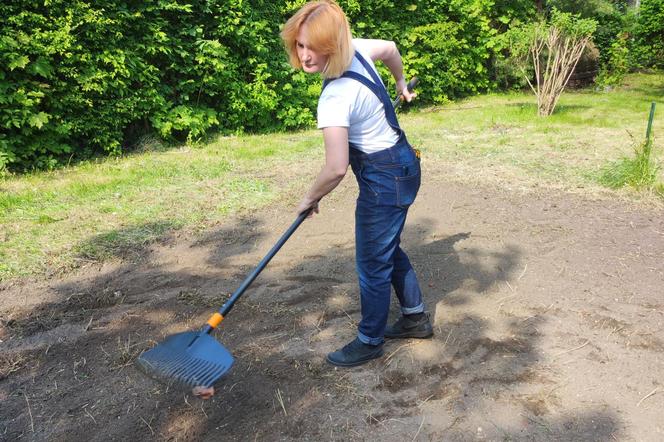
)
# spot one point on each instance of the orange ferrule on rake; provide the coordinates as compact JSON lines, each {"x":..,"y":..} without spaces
{"x":215,"y":320}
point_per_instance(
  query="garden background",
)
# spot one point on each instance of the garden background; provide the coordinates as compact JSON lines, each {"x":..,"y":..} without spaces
{"x":80,"y":79}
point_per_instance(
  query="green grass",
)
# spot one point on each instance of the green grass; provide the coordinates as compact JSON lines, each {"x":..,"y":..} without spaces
{"x":639,"y":171}
{"x":115,"y":208}
{"x":500,"y":136}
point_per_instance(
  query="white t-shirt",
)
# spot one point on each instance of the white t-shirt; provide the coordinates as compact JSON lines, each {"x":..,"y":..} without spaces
{"x":346,"y":102}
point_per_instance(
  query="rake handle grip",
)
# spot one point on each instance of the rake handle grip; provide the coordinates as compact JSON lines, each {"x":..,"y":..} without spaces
{"x":411,"y":85}
{"x":228,"y":305}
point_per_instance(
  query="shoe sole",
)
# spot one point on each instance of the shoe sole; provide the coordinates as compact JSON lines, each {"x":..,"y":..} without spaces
{"x":414,"y":335}
{"x":354,"y":364}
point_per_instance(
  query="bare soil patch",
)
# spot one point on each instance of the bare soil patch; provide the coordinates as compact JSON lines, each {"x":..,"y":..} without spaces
{"x":547,"y":307}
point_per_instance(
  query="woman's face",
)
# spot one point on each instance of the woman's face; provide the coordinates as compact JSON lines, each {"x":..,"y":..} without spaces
{"x":312,"y":61}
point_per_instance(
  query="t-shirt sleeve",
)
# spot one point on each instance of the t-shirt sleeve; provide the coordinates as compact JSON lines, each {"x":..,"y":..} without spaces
{"x":333,"y":109}
{"x":361,"y":45}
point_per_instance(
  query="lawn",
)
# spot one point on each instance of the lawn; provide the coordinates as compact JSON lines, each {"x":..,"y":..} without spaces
{"x":99,"y":210}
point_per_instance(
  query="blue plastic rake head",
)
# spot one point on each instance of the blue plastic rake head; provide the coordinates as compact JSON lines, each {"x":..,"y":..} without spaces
{"x":189,"y":358}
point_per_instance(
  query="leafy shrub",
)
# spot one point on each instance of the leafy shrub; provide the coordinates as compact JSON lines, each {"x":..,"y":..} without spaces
{"x":80,"y":78}
{"x":549,"y":49}
{"x":647,"y":45}
{"x":616,"y":66}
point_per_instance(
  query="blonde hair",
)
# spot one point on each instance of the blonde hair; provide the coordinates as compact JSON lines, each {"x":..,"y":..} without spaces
{"x":328,"y":32}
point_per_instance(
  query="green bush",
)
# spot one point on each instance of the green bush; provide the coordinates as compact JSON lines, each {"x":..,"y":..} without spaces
{"x":647,"y":45}
{"x":612,"y":17}
{"x":80,"y":78}
{"x":644,"y":25}
{"x":616,"y":65}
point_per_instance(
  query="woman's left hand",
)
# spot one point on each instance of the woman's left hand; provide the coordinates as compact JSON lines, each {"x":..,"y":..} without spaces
{"x":408,"y":95}
{"x":203,"y":392}
{"x":402,"y":89}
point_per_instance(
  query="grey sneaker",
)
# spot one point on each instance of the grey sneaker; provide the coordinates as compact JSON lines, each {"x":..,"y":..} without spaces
{"x":355,"y":353}
{"x":406,"y":327}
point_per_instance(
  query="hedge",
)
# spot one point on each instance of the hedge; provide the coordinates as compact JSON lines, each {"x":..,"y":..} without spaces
{"x":647,"y":45}
{"x":82,"y":78}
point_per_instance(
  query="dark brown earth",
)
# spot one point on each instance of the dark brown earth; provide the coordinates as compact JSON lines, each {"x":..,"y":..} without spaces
{"x":548,"y":310}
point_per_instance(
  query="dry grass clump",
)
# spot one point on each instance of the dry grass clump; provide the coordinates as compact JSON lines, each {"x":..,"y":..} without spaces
{"x":10,"y":363}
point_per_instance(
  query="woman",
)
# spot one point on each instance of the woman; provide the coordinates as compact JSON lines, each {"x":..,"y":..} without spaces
{"x":360,"y":128}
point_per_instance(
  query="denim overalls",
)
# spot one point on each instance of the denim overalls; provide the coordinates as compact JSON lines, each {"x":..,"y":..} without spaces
{"x":388,"y":182}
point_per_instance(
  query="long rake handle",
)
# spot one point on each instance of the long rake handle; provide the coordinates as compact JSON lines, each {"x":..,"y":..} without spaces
{"x":214,"y":321}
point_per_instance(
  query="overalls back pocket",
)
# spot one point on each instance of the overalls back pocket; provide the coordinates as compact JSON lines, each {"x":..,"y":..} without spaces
{"x":394,"y":184}
{"x":408,"y":184}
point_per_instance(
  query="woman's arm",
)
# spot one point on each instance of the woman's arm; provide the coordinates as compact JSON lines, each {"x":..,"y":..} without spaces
{"x":334,"y":170}
{"x":387,"y":52}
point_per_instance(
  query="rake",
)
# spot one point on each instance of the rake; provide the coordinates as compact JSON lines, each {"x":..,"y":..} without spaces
{"x":195,"y":358}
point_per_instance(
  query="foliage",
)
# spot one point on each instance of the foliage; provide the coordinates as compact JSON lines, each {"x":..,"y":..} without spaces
{"x":616,"y":66}
{"x":612,"y":17}
{"x":445,"y":43}
{"x":585,"y":8}
{"x":81,"y":78}
{"x":552,"y":50}
{"x":647,"y":45}
{"x":644,"y":26}
{"x":443,"y":58}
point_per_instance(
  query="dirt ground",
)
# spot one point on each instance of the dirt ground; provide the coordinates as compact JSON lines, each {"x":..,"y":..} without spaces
{"x":548,"y":311}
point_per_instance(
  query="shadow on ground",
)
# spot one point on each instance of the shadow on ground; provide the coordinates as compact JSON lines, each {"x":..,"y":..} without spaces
{"x":68,"y":372}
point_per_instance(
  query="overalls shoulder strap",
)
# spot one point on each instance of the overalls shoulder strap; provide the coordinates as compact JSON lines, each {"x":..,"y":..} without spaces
{"x":376,"y":86}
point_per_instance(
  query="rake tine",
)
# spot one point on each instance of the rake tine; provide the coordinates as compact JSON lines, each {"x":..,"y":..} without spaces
{"x":208,"y":379}
{"x":197,"y":370}
{"x":182,"y":366}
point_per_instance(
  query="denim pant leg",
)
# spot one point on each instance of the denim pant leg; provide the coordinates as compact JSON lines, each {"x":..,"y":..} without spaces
{"x":377,"y":230}
{"x":405,"y":284}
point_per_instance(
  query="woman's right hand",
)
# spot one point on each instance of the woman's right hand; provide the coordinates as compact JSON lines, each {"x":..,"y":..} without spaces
{"x":306,"y":204}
